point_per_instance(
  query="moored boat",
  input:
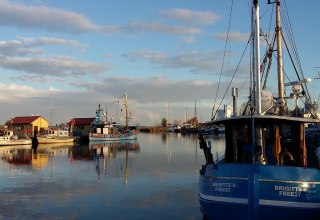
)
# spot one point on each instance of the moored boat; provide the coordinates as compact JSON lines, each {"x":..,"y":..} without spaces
{"x":54,"y":136}
{"x":7,"y":139}
{"x":268,"y":171}
{"x":177,"y":129}
{"x":104,"y":130}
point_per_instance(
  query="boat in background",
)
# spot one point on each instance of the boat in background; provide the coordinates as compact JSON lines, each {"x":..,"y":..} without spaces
{"x":170,"y":128}
{"x":176,"y":129}
{"x":54,"y":136}
{"x":268,"y":171}
{"x":104,"y":130}
{"x":187,"y":128}
{"x":7,"y":138}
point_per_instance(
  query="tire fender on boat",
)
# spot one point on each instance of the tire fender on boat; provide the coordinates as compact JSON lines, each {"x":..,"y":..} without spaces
{"x":77,"y":140}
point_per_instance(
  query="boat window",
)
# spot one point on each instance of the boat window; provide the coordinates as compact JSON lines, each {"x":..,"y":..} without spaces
{"x":313,"y":150}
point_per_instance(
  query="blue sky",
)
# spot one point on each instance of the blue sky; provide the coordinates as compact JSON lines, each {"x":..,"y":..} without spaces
{"x":74,"y":55}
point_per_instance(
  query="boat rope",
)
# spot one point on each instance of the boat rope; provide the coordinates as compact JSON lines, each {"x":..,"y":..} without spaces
{"x":224,"y":55}
{"x":289,"y":31}
{"x":290,"y":35}
{"x":265,"y":69}
{"x":267,"y":60}
{"x":235,"y":71}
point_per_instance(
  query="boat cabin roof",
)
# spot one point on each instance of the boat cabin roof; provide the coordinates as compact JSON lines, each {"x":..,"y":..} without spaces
{"x":268,"y":119}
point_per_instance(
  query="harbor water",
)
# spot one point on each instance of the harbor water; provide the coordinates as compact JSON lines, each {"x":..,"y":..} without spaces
{"x":153,"y":178}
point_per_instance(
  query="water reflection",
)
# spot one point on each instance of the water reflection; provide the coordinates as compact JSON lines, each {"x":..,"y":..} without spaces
{"x":161,"y":173}
{"x":114,"y":155}
{"x":24,"y":155}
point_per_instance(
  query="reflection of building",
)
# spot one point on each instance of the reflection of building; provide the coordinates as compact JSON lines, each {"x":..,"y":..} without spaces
{"x":39,"y":160}
{"x":23,"y":155}
{"x":80,"y":127}
{"x":80,"y":152}
{"x":27,"y":125}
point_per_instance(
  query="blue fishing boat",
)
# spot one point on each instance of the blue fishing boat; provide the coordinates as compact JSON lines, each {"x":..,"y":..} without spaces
{"x":269,"y":170}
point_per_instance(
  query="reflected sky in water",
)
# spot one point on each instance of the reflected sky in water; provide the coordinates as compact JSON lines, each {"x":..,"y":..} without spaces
{"x":154,"y":178}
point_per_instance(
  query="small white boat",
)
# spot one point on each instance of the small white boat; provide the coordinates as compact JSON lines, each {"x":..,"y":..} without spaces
{"x":53,"y":136}
{"x":7,"y":139}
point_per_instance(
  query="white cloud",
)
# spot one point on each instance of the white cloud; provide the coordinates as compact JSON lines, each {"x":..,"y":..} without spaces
{"x":59,"y":67}
{"x":32,"y":46}
{"x":197,"y":61}
{"x":57,"y":20}
{"x":14,"y":92}
{"x":233,"y":36}
{"x":50,"y":19}
{"x":190,"y":40}
{"x":52,"y":89}
{"x":146,"y":54}
{"x":161,"y":28}
{"x":192,"y":17}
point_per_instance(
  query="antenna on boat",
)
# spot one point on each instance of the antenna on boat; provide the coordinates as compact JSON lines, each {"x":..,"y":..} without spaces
{"x":126,"y":105}
{"x":51,"y":115}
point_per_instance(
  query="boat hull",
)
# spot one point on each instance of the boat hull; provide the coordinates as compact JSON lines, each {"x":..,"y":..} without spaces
{"x":54,"y":140}
{"x":15,"y":142}
{"x":113,"y":137}
{"x":259,"y":192}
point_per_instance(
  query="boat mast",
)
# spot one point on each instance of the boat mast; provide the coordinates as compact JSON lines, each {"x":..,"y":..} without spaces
{"x":195,"y":121}
{"x":257,"y":58}
{"x":126,"y":105}
{"x":257,"y":133}
{"x":167,"y":114}
{"x":279,"y":54}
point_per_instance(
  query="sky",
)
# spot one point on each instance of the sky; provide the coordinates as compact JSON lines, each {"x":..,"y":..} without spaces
{"x":60,"y":58}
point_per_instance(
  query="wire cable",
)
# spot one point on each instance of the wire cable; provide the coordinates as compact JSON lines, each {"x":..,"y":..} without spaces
{"x":224,"y":55}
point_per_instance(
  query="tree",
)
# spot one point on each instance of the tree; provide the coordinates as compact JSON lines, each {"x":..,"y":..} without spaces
{"x":164,"y":122}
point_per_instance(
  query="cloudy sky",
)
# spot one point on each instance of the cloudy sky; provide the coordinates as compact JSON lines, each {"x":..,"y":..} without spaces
{"x":70,"y":56}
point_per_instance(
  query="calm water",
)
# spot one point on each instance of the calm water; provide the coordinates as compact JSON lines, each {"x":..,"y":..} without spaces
{"x":154,"y":178}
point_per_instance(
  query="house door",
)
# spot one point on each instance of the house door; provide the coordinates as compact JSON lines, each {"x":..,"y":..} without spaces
{"x":35,"y":129}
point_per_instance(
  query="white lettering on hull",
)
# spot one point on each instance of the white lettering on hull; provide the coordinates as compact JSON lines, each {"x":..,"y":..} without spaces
{"x":290,"y":191}
{"x":223,"y":187}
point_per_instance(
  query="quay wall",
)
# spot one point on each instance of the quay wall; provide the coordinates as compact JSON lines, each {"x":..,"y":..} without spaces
{"x":152,"y":129}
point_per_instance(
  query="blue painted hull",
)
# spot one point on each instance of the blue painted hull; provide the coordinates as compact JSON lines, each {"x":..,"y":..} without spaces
{"x":245,"y":191}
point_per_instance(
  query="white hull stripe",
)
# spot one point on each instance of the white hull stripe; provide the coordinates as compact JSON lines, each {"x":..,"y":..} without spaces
{"x":289,"y":204}
{"x":224,"y":199}
{"x":262,"y":202}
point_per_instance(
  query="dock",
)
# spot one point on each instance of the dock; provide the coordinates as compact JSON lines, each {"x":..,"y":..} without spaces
{"x":152,"y":129}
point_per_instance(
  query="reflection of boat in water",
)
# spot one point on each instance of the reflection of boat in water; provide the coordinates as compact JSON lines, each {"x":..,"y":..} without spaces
{"x":131,"y":145}
{"x":55,"y":145}
{"x":268,"y":171}
{"x":111,"y":153}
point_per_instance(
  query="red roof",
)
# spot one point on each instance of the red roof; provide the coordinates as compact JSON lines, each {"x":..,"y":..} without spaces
{"x":81,"y":121}
{"x":23,"y":120}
